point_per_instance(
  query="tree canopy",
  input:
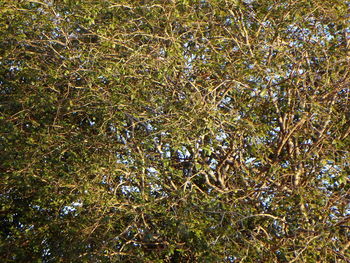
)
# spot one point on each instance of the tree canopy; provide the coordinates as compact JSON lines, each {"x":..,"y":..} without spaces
{"x":174,"y":131}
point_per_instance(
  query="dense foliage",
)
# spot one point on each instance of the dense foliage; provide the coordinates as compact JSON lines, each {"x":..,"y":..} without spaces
{"x":174,"y":131}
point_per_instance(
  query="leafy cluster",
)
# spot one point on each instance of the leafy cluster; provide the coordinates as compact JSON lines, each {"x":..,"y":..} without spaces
{"x":174,"y":131}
